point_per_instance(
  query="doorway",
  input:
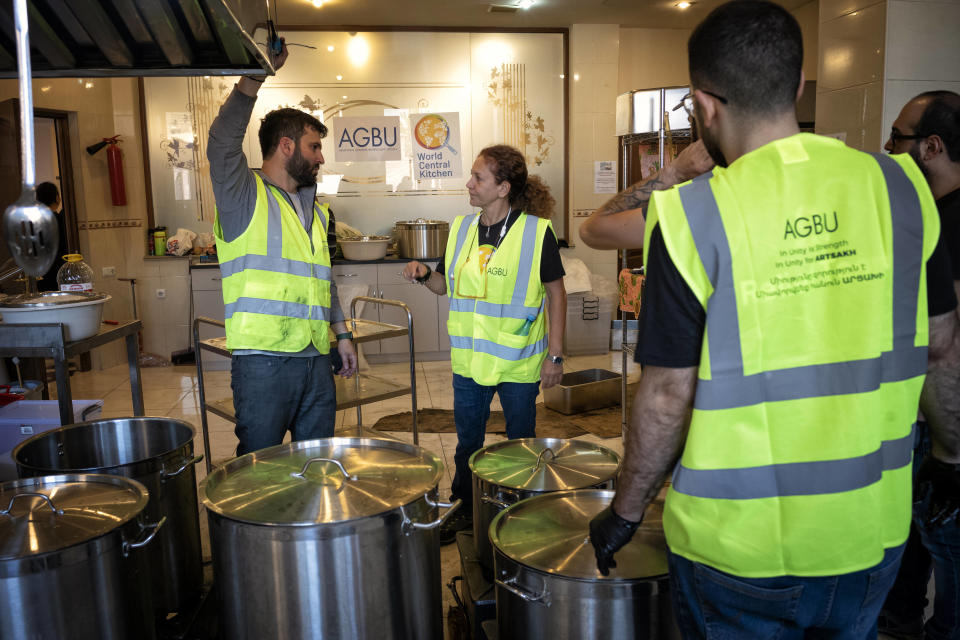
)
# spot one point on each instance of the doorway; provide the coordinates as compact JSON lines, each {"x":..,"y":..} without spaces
{"x":53,"y":154}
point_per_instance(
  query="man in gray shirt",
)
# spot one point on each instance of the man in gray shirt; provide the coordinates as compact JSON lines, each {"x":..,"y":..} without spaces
{"x":275,"y":261}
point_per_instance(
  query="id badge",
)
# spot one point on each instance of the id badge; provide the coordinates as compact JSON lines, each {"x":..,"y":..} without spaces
{"x":471,"y":281}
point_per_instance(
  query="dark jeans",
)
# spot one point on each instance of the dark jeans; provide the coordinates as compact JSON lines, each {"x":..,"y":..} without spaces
{"x":276,"y":394}
{"x":929,"y":549}
{"x":717,"y":606}
{"x":471,"y":409}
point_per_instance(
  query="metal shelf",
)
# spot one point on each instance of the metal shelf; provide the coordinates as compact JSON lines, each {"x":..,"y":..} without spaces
{"x":351,"y":393}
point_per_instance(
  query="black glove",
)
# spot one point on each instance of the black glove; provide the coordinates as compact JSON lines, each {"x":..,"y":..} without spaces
{"x":609,"y":532}
{"x":939,"y":483}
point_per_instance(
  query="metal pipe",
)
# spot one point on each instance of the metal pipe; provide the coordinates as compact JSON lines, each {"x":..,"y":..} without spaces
{"x":26,"y":94}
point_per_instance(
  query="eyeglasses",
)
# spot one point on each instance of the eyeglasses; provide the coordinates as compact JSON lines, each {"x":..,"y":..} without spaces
{"x":687,"y":101}
{"x":896,"y":136}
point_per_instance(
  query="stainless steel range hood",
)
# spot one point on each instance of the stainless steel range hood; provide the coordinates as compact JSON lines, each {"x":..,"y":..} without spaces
{"x":88,"y":38}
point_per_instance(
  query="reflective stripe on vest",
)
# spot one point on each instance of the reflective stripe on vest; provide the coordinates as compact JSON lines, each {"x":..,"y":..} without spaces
{"x":516,"y":309}
{"x":735,"y":389}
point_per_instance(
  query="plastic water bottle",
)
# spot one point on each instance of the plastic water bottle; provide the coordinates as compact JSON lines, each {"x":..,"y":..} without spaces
{"x":525,"y":329}
{"x":75,"y":274}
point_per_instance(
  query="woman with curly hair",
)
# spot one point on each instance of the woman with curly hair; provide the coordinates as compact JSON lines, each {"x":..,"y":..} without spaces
{"x":506,"y":335}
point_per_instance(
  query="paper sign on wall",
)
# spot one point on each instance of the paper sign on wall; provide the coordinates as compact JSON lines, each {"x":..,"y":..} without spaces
{"x":436,"y":145}
{"x":366,"y":138}
{"x":604,"y":176}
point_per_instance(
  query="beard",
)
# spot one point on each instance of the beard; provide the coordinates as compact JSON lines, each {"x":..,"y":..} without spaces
{"x":300,"y":170}
{"x":713,"y":148}
{"x":914,"y":152}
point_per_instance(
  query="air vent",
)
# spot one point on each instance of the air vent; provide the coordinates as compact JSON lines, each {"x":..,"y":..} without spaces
{"x":502,"y":8}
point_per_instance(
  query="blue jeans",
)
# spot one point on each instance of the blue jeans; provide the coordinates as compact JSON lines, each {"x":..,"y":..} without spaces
{"x":471,"y":409}
{"x":276,"y":394}
{"x":715,"y":605}
{"x":934,"y":549}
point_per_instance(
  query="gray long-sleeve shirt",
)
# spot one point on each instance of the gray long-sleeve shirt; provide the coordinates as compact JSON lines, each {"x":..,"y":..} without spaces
{"x":235,"y":188}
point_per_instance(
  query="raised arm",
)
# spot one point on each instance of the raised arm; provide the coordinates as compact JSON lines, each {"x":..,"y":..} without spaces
{"x":619,"y":223}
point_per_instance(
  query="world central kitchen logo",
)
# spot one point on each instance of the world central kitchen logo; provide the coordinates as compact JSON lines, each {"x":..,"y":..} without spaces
{"x":367,"y":138}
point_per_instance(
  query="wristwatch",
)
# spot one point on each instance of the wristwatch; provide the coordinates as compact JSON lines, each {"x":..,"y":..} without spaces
{"x":423,"y":279}
{"x":555,"y":359}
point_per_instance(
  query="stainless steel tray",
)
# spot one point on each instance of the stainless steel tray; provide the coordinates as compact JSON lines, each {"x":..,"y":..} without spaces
{"x":585,"y":390}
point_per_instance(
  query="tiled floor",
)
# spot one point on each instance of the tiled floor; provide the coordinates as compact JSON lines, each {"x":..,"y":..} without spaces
{"x":172,"y":392}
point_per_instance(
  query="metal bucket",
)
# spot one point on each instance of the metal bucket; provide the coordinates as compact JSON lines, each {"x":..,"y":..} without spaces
{"x":69,"y":560}
{"x":157,"y":452}
{"x":330,"y":538}
{"x":547,"y":583}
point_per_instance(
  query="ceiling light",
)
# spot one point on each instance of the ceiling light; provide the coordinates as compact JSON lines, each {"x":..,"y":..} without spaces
{"x":339,"y":77}
{"x":576,"y":76}
{"x":330,"y":48}
{"x":684,"y":4}
{"x":88,"y":85}
{"x":317,"y":3}
{"x":562,"y":76}
{"x":525,"y":4}
{"x":358,"y":51}
{"x":45,"y":89}
{"x":343,"y":97}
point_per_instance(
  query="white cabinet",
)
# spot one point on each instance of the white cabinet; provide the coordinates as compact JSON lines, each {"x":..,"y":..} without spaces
{"x":207,"y":291}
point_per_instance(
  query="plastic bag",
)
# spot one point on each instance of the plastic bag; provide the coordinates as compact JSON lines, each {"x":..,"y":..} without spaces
{"x":181,"y":243}
{"x":578,"y":275}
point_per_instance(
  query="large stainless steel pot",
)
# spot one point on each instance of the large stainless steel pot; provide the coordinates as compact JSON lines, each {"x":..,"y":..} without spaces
{"x":547,"y":583}
{"x":421,"y":239}
{"x":507,"y":472}
{"x":69,"y":565}
{"x":331,"y":538}
{"x":155,"y":451}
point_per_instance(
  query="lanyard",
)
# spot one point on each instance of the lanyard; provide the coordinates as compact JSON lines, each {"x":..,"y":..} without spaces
{"x":503,"y":232}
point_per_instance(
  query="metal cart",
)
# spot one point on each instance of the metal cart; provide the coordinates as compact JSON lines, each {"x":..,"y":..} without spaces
{"x":362,"y":389}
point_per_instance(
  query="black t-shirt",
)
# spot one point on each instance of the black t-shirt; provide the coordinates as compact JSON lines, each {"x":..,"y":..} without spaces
{"x":949,"y":208}
{"x":551,"y":267}
{"x":672,"y":320}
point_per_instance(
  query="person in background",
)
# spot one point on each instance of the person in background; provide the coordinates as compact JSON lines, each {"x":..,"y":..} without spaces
{"x":496,"y":268}
{"x":278,"y":290}
{"x":928,"y":129}
{"x":48,"y":194}
{"x":788,"y":333}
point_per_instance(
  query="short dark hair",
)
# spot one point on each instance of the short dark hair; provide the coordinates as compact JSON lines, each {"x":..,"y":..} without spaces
{"x":286,"y":123}
{"x":47,"y":193}
{"x":942,"y":117}
{"x":751,"y":53}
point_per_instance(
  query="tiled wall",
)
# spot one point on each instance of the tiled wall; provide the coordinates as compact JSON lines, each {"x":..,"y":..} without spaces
{"x":116,"y":235}
{"x":595,"y":69}
{"x":912,"y":69}
{"x":850,"y":71}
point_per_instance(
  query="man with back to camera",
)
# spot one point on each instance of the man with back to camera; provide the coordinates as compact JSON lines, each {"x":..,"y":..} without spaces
{"x":785,"y":338}
{"x":928,"y":129}
{"x":278,"y":291}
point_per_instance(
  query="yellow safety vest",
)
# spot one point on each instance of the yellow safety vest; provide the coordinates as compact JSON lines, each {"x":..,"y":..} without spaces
{"x":809,"y":258}
{"x":488,"y":309}
{"x":276,"y":287}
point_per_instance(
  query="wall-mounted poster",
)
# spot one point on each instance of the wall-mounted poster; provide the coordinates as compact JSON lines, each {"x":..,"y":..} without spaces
{"x":436,"y":145}
{"x":373,"y":138}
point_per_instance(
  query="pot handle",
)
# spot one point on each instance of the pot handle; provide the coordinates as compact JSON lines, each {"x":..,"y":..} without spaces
{"x":31,"y":494}
{"x":409,"y":525}
{"x":541,"y":456}
{"x":497,"y":502}
{"x":152,"y":528}
{"x":188,"y":463}
{"x":346,"y":476}
{"x":510,"y":584}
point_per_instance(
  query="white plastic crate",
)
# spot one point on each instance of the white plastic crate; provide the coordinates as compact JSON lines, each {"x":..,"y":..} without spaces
{"x":26,"y":418}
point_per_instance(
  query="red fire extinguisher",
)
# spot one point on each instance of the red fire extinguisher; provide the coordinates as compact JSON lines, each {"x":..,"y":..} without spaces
{"x":118,"y":193}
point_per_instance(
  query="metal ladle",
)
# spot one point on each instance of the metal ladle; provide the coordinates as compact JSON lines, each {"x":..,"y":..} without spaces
{"x":30,"y":227}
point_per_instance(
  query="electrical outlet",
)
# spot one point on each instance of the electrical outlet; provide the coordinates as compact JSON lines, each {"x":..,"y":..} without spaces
{"x":161,"y":293}
{"x":109,"y":272}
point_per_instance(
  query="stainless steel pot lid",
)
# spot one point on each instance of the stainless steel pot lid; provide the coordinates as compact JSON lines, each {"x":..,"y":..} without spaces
{"x":50,"y":513}
{"x":421,"y":222}
{"x":550,"y":533}
{"x":50,"y":299}
{"x":348,"y":478}
{"x":545,"y":464}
